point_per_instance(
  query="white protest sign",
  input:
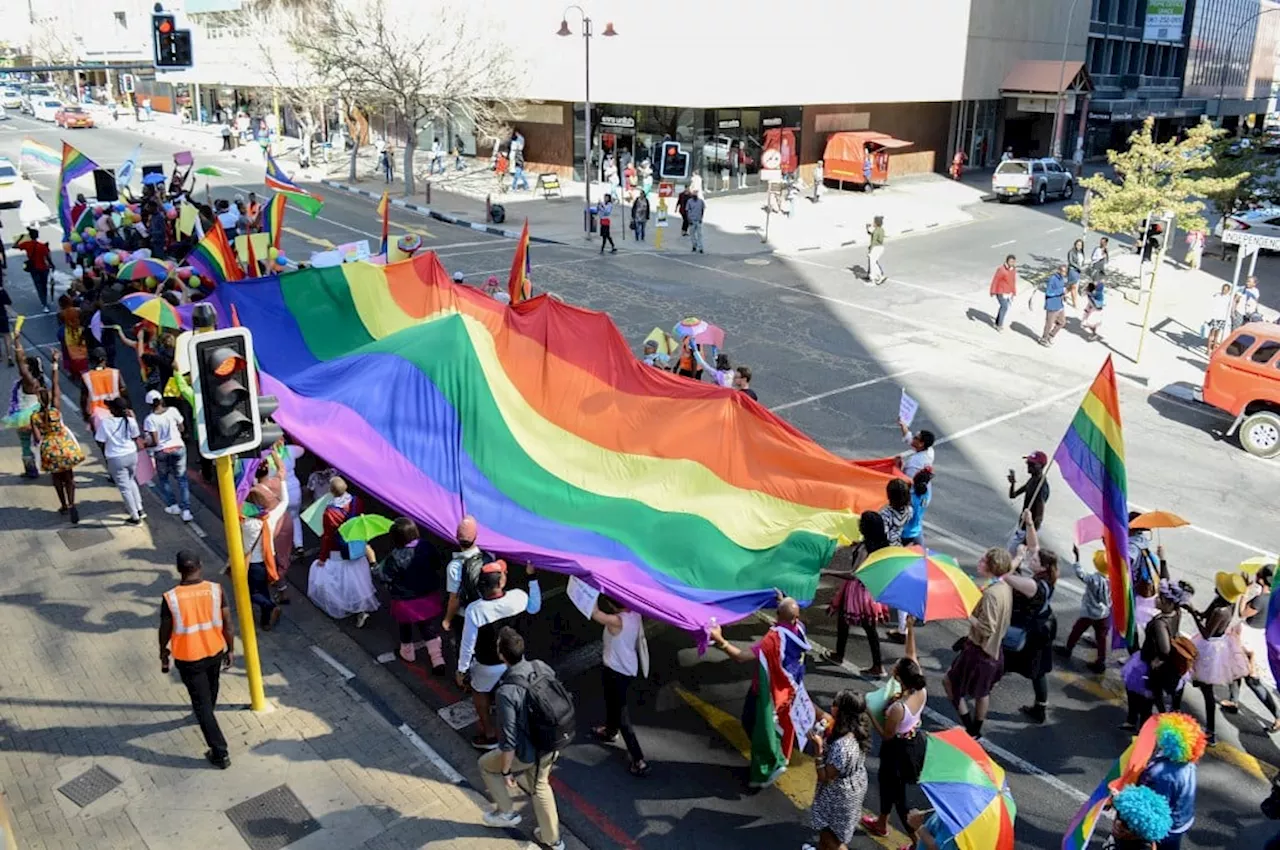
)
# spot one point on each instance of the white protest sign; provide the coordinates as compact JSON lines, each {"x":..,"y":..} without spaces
{"x":582,"y":595}
{"x":907,"y":407}
{"x":803,"y":717}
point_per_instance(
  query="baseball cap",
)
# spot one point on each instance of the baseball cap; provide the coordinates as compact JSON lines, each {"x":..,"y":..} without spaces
{"x":1038,"y":457}
{"x":153,"y":396}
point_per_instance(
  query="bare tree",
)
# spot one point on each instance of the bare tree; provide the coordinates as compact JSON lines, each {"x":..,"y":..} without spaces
{"x":425,"y":68}
{"x":53,"y":44}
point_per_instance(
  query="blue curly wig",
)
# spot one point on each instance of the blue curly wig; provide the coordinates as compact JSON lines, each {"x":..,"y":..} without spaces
{"x":1145,"y":812}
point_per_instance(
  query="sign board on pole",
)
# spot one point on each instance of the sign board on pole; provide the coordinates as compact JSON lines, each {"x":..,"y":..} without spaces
{"x":666,"y":190}
{"x":1256,"y":240}
{"x":1164,"y":20}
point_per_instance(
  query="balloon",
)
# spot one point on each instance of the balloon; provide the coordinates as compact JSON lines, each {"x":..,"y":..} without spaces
{"x":118,"y":206}
{"x":282,"y":261}
{"x":273,"y":252}
{"x":194,"y":281}
{"x":151,"y":282}
{"x":141,"y":254}
{"x":171,"y":214}
{"x":98,"y":261}
{"x":184,"y":273}
{"x":89,"y":231}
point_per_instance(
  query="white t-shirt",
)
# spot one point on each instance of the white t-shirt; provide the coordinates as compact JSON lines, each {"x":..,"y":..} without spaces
{"x":619,"y":651}
{"x":229,"y":219}
{"x":251,"y":532}
{"x":167,"y":427}
{"x":118,"y":435}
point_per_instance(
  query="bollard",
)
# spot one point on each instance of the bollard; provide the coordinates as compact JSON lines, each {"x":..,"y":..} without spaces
{"x":428,"y":193}
{"x":488,"y":208}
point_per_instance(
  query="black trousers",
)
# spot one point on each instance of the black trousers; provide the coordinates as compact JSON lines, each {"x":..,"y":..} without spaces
{"x":616,"y":716}
{"x":201,"y":679}
{"x":871,"y":630}
{"x":606,"y":236}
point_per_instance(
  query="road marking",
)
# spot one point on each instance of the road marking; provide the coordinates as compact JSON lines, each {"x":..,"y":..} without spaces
{"x":495,"y":241}
{"x":1002,"y":244}
{"x":307,"y":237}
{"x":851,"y":387}
{"x":333,"y":662}
{"x":434,"y":757}
{"x":597,"y":818}
{"x":1056,"y":229}
{"x":1047,"y":401}
{"x":844,"y":270}
{"x":1215,"y":535}
{"x":444,"y":251}
{"x":797,"y":783}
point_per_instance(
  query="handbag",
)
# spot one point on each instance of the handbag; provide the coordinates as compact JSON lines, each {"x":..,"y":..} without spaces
{"x":1015,"y":639}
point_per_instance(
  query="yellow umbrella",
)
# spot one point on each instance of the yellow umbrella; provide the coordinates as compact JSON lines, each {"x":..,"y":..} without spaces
{"x":1252,"y":565}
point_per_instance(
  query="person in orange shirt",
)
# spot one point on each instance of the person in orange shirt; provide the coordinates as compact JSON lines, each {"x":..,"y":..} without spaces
{"x":196,"y":630}
{"x":1004,"y":285}
{"x":101,"y":384}
{"x":254,"y":211}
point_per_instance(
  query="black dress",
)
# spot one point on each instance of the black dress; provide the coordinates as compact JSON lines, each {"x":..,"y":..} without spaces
{"x":1034,"y":614}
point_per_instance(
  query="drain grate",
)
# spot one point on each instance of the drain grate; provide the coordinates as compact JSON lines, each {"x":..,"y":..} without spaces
{"x":84,"y":536}
{"x":89,"y":786}
{"x":272,"y":820}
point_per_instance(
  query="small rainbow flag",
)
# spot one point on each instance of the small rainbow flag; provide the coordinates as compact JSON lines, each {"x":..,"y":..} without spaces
{"x":519,"y":286}
{"x":213,"y":259}
{"x":1123,"y":773}
{"x":273,"y":218}
{"x":36,"y":155}
{"x":1091,"y":459}
{"x":74,"y":165}
{"x":384,"y":212}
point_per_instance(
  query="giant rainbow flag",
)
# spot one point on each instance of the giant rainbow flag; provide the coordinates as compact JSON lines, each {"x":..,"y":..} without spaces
{"x":683,"y":500}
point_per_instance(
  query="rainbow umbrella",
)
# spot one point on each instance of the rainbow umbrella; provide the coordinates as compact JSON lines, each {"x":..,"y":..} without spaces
{"x":968,"y":791}
{"x":158,"y":312}
{"x":143,"y":269}
{"x":926,"y":584}
{"x":134,"y":300}
{"x":690,"y":326}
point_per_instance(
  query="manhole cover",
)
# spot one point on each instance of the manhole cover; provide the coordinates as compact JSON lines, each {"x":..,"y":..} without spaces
{"x":756,"y":261}
{"x":89,"y":786}
{"x":272,"y":820}
{"x":84,"y":536}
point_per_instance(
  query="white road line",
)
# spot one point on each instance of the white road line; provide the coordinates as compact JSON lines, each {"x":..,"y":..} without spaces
{"x":496,"y":241}
{"x":1215,"y":535}
{"x":843,"y":270}
{"x":1002,"y":244}
{"x":857,"y":386}
{"x":333,"y":662}
{"x":1056,"y":229}
{"x":1047,"y":401}
{"x":434,"y":757}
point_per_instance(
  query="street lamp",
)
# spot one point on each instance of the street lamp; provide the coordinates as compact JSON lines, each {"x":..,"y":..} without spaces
{"x":609,"y":32}
{"x":1222,"y":88}
{"x":1059,"y":116}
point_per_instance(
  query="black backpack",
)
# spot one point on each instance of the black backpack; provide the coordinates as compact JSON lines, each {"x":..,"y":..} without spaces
{"x":552,"y":722}
{"x":469,"y":586}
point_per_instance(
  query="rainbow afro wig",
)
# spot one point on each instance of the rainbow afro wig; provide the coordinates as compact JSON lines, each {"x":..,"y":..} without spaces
{"x":1144,"y":812}
{"x":1179,"y":738}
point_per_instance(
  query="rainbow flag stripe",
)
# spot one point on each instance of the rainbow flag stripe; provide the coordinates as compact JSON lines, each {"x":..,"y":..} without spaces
{"x":74,"y":166}
{"x":519,"y":284}
{"x":681,"y":499}
{"x":36,"y":155}
{"x":213,"y":257}
{"x":1124,"y":772}
{"x":273,"y":218}
{"x":1091,"y":459}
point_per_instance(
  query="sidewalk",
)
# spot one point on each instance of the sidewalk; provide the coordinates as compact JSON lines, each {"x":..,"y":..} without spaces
{"x":198,"y":137}
{"x":84,"y":702}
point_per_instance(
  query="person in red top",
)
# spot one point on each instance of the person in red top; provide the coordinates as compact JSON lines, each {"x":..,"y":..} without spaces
{"x":39,"y":263}
{"x":1004,"y":285}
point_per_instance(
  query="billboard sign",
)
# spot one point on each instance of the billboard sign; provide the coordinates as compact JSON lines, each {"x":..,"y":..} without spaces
{"x":1164,"y":20}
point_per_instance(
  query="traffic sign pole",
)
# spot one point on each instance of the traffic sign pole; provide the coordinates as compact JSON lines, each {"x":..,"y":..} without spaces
{"x":240,"y":580}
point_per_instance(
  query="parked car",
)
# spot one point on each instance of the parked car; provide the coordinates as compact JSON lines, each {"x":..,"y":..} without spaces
{"x":45,"y":109}
{"x":10,"y":184}
{"x":1035,"y":179}
{"x":1243,"y":379}
{"x":1271,"y":142}
{"x":1264,"y":222}
{"x":715,"y":150}
{"x":34,"y":93}
{"x":11,"y":98}
{"x":73,"y":116}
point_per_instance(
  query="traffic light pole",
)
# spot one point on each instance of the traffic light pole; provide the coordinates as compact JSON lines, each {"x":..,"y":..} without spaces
{"x":240,"y":581}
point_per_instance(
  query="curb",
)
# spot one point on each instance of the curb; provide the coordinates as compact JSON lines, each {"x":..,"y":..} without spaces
{"x":423,"y":210}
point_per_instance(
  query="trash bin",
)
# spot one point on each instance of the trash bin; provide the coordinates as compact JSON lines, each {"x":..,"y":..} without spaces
{"x":497,"y":213}
{"x":589,"y":220}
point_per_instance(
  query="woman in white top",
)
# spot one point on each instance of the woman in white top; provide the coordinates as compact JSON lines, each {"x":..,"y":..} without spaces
{"x":118,"y":433}
{"x":626,"y":655}
{"x":290,"y":458}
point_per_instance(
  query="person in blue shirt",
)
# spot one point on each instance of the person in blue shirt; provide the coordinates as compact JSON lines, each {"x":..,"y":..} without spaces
{"x":1093,"y":309}
{"x":1180,"y":741}
{"x":1055,"y":315}
{"x":921,"y":496}
{"x":931,"y":832}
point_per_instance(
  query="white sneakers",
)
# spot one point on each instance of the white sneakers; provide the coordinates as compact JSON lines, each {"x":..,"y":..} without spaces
{"x":172,"y":510}
{"x":186,"y":516}
{"x":501,"y":820}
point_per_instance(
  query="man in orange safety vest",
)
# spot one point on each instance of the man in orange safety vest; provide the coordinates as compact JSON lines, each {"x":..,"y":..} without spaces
{"x":101,"y":384}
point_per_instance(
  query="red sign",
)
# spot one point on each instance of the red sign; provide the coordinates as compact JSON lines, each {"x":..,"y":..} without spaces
{"x":666,"y":190}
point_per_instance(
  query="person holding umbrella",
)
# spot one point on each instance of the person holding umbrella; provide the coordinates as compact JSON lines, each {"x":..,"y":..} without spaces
{"x":973,"y":806}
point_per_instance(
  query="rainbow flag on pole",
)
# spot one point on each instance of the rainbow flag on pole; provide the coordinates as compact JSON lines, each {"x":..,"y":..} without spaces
{"x":36,"y":155}
{"x":1091,"y":459}
{"x":273,"y":218}
{"x":278,"y":181}
{"x":213,"y":258}
{"x":74,"y":166}
{"x":1124,"y":772}
{"x":519,"y":286}
{"x":384,"y":212}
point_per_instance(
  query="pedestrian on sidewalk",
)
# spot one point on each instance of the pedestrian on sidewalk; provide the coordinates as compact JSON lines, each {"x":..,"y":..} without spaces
{"x":640,"y":215}
{"x":977,"y":668}
{"x":817,"y":181}
{"x":682,"y":207}
{"x":39,"y":264}
{"x":479,"y":664}
{"x":437,"y":158}
{"x":1004,"y":287}
{"x":626,"y":656}
{"x":1195,"y":248}
{"x":1055,"y":314}
{"x":1095,"y":609}
{"x":255,"y":536}
{"x":1028,"y":644}
{"x":875,"y":250}
{"x":196,"y":628}
{"x":1075,"y":269}
{"x":24,"y":401}
{"x":606,"y":220}
{"x":387,"y":165}
{"x":413,"y":583}
{"x":1096,"y":296}
{"x":1244,"y":308}
{"x":531,"y":703}
{"x":164,"y":436}
{"x":226,"y":136}
{"x":1099,"y":258}
{"x":60,"y":452}
{"x":695,"y":209}
{"x":118,"y":433}
{"x":1216,"y":324}
{"x":853,"y":604}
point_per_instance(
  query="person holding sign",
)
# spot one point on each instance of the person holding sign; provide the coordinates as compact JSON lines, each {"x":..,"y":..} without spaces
{"x":902,"y":740}
{"x":921,"y":454}
{"x":626,"y":656}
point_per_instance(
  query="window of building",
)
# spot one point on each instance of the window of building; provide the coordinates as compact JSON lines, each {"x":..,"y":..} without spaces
{"x":1132,"y":53}
{"x":1114,"y":52}
{"x":1102,"y":10}
{"x":1094,"y":56}
{"x":1122,"y":11}
{"x":1149,"y":60}
{"x":122,"y":20}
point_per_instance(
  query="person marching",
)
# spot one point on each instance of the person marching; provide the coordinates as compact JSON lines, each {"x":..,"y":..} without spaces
{"x":24,"y":400}
{"x":413,"y":584}
{"x":1028,"y":644}
{"x":903,"y":742}
{"x":1220,"y":657}
{"x":1251,"y":622}
{"x":102,"y":383}
{"x":853,"y":604}
{"x":840,"y":759}
{"x":626,"y":656}
{"x":59,"y":451}
{"x":977,"y":668}
{"x":1095,"y":609}
{"x":197,"y":632}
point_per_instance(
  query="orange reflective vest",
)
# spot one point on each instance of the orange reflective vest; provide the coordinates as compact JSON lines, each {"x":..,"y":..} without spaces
{"x":197,"y":620}
{"x":103,"y":385}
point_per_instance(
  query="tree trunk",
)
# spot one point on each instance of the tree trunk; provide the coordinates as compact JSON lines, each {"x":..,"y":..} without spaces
{"x":305,"y":154}
{"x":351,"y":169}
{"x":410,"y":147}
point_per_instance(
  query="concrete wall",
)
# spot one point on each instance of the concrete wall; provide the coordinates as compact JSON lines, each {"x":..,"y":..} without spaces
{"x":1003,"y":32}
{"x":925,"y":124}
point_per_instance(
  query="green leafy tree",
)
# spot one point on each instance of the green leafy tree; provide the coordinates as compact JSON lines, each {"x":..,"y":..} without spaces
{"x":1172,"y":176}
{"x":1258,"y":177}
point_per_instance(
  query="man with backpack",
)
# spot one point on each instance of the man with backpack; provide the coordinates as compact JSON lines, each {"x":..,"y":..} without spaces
{"x":536,"y":720}
{"x":478,"y":661}
{"x":463,"y":574}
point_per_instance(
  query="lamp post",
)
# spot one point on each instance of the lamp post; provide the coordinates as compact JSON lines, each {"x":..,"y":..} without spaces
{"x":1059,"y":113}
{"x":1222,"y":87}
{"x":609,"y":32}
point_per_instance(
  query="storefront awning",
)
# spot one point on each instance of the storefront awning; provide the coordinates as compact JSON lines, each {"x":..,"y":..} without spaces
{"x":887,"y":142}
{"x":1045,"y":76}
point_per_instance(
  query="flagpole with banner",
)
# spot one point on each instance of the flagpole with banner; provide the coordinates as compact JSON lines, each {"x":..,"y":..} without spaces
{"x":519,"y":286}
{"x":384,"y":212}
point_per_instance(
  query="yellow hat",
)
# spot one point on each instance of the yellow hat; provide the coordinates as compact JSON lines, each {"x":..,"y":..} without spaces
{"x":1230,"y":586}
{"x":1100,"y":561}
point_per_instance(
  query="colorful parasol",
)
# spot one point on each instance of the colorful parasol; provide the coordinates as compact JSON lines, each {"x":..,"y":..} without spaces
{"x":159,"y":312}
{"x":1252,"y":565}
{"x":153,"y":179}
{"x":1157,"y":519}
{"x":208,"y":171}
{"x":712,"y":336}
{"x":968,"y":791}
{"x":143,"y":269}
{"x":134,"y":300}
{"x":364,"y":527}
{"x":689,"y":326}
{"x":926,"y":584}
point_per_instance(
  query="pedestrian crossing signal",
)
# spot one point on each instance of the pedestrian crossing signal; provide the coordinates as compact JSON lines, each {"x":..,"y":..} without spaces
{"x":674,"y":163}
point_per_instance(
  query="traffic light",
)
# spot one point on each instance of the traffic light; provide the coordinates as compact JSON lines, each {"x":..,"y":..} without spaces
{"x":674,"y":162}
{"x":126,"y":83}
{"x":172,"y":46}
{"x":228,"y":412}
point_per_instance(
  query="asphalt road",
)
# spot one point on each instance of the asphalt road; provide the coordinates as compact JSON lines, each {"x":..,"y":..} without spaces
{"x":832,"y":355}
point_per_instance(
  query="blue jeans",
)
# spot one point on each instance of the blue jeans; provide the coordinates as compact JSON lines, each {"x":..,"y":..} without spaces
{"x":173,"y":464}
{"x":260,"y":592}
{"x":1005,"y":301}
{"x":518,"y":180}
